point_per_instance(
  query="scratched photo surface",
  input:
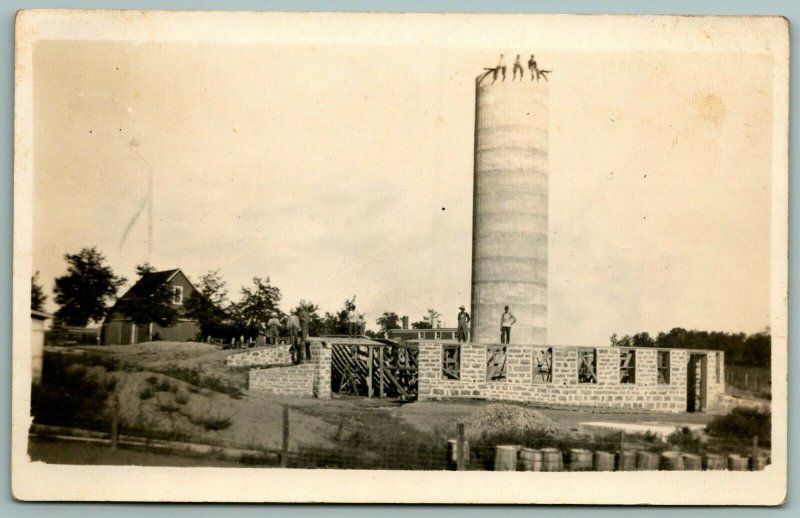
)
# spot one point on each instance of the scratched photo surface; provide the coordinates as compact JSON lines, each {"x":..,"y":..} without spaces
{"x":289,"y":247}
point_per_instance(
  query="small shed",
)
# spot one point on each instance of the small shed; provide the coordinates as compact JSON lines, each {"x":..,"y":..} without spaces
{"x":38,"y":323}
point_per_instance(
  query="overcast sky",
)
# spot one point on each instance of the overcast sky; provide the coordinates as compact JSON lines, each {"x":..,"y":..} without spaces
{"x":340,"y":170}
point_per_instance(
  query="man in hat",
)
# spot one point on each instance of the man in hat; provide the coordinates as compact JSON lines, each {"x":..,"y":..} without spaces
{"x":293,"y":325}
{"x":305,"y":321}
{"x":507,"y":319}
{"x":272,"y":325}
{"x":463,"y":324}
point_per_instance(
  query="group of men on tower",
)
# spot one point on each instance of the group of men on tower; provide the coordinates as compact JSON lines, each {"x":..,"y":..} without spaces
{"x":535,"y":72}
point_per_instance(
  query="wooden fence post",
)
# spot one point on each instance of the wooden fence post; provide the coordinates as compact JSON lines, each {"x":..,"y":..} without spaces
{"x":461,"y":458}
{"x":755,"y":448}
{"x":621,"y":441}
{"x":285,"y":446}
{"x":114,"y":420}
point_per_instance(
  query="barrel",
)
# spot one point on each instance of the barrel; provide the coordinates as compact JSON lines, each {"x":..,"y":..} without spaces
{"x":646,"y":461}
{"x":530,"y":460}
{"x":672,"y":461}
{"x":505,"y":457}
{"x":737,"y":462}
{"x":580,"y":460}
{"x":551,"y":459}
{"x":715,"y":462}
{"x":626,"y":460}
{"x":452,"y":453}
{"x":692,"y":462}
{"x":603,"y":461}
{"x":758,"y":463}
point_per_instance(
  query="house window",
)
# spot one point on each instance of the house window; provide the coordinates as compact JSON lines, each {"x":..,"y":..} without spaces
{"x":496,"y":363}
{"x":587,"y":365}
{"x":543,"y":365}
{"x":177,"y":295}
{"x":627,"y":366}
{"x":663,"y":367}
{"x":437,"y":335}
{"x":451,"y":362}
{"x":717,"y":365}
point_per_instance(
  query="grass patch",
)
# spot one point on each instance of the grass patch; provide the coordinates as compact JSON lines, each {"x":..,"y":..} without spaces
{"x":194,"y":376}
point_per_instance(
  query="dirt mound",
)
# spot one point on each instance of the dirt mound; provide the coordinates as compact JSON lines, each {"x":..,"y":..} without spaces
{"x":503,"y":418}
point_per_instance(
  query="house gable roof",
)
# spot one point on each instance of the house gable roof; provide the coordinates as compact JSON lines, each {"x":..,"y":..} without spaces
{"x":140,"y":288}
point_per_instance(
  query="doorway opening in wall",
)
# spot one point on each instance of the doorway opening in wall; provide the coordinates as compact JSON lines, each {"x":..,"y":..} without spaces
{"x":696,"y":383}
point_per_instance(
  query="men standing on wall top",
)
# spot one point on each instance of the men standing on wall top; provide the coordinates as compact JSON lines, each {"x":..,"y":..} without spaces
{"x":507,"y":319}
{"x":463,"y":324}
{"x":293,"y":325}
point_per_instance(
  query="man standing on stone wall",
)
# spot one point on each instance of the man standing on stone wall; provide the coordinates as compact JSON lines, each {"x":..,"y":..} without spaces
{"x":305,"y":320}
{"x":352,"y":321}
{"x":463,"y":324}
{"x":293,"y":325}
{"x":272,"y":324}
{"x":507,"y":319}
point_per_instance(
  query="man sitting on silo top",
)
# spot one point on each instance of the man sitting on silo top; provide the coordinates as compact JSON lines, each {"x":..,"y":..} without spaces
{"x":507,"y":319}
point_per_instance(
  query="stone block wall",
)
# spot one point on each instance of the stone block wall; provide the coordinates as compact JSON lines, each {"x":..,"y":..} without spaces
{"x":564,"y":388}
{"x":321,"y":359}
{"x":261,"y":357}
{"x":716,"y":379}
{"x":294,"y":380}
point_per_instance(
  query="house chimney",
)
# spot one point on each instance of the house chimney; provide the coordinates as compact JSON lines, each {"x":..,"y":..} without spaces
{"x":405,"y":322}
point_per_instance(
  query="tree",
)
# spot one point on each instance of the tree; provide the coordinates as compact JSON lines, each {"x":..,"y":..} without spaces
{"x":83,"y":293}
{"x":389,"y":320}
{"x":432,"y":318}
{"x":251,"y":311}
{"x":208,"y":304}
{"x":421,"y":325}
{"x":153,"y":302}
{"x":38,"y":297}
{"x":336,"y":323}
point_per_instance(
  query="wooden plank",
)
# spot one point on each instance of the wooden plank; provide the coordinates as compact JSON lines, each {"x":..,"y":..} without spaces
{"x":369,"y":375}
{"x":397,"y":384}
{"x":380,"y":368}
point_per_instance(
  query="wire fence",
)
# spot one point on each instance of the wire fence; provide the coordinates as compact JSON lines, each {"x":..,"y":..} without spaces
{"x":531,"y":451}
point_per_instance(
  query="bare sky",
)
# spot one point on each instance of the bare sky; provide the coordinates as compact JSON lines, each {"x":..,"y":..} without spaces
{"x":343,"y":170}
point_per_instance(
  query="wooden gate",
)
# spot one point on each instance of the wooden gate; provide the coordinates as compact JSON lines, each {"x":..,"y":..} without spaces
{"x":375,"y":370}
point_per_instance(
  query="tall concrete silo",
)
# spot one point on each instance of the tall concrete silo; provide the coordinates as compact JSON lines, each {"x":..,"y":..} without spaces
{"x":509,"y":228}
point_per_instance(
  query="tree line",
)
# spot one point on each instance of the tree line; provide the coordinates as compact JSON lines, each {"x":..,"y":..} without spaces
{"x":89,"y":290}
{"x":754,"y":350}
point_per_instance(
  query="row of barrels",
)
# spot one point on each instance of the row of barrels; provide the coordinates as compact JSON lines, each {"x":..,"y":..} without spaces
{"x":516,"y":458}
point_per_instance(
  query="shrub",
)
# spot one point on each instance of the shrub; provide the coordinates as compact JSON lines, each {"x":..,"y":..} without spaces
{"x":743,"y":423}
{"x":181,"y":398}
{"x":213,"y":423}
{"x":685,"y":439}
{"x":147,"y":392}
{"x":68,"y":396}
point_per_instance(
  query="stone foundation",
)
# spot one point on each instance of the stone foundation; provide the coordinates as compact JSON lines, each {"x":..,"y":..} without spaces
{"x":261,"y":357}
{"x":274,"y":374}
{"x":564,"y":389}
{"x":297,"y":380}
